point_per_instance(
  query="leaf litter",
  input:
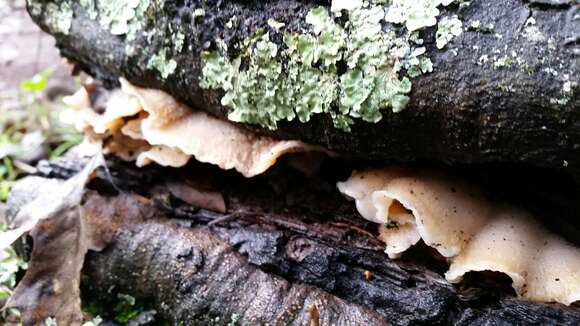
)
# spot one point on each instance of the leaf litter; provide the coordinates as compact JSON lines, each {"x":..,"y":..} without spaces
{"x":56,"y":221}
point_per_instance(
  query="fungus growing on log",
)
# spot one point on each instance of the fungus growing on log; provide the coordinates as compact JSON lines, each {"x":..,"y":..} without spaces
{"x":491,"y":94}
{"x":162,"y":130}
{"x":473,"y":233}
{"x":430,"y":85}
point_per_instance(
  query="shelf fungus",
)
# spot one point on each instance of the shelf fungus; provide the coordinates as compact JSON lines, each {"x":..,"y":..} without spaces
{"x":147,"y":125}
{"x":472,"y":232}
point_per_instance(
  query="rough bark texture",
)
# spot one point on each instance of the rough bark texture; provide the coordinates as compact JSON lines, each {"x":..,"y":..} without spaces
{"x":286,"y":243}
{"x":461,"y":112}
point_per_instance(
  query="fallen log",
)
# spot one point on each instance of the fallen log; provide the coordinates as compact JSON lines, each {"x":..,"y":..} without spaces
{"x":288,"y":251}
{"x":505,"y":89}
{"x":468,"y":83}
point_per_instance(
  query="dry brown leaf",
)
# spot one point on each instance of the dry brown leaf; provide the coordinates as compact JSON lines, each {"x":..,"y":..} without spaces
{"x":48,"y":204}
{"x":210,"y":200}
{"x":51,"y":286}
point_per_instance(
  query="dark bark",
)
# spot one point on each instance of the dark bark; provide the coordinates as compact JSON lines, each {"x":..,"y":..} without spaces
{"x":460,"y":113}
{"x":285,"y":243}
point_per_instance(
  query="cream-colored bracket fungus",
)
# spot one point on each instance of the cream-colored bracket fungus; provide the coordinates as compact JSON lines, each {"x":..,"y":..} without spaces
{"x":148,"y":125}
{"x":473,"y":233}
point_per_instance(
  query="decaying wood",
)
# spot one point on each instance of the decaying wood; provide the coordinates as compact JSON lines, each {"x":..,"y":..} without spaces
{"x":462,"y":112}
{"x":287,"y":249}
{"x":291,"y":250}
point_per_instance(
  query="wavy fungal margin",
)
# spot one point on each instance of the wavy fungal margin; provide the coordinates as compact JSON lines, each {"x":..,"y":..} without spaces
{"x":148,"y":125}
{"x":473,"y":233}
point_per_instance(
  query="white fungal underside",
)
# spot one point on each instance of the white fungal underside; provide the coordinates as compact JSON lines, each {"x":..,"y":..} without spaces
{"x":473,"y":233}
{"x":148,"y":125}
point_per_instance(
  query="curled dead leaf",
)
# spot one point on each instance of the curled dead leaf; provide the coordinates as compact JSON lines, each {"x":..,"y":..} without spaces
{"x":48,"y":204}
{"x":51,"y":285}
{"x":198,"y":197}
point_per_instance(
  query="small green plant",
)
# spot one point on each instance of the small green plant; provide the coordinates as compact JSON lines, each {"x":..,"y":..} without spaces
{"x":10,"y":265}
{"x":122,"y":309}
{"x":7,"y":176}
{"x":126,"y":308}
{"x":94,"y":322}
{"x":38,"y":82}
{"x":30,"y":130}
{"x":234,"y":320}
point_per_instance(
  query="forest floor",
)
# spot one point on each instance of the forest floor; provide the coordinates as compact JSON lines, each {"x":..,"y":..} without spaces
{"x":33,"y":79}
{"x":25,"y":50}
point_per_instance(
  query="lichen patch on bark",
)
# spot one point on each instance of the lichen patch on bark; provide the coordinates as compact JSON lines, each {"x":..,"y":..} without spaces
{"x":349,"y":69}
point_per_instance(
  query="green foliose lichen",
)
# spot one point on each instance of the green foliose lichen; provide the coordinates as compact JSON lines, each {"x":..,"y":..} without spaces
{"x":175,"y":37}
{"x":415,"y":14}
{"x":138,"y":20}
{"x":35,"y":7}
{"x":301,"y":77}
{"x":178,"y":41}
{"x":160,"y":63}
{"x":418,"y":64}
{"x":122,"y":17}
{"x":58,"y":17}
{"x":448,"y":28}
{"x":505,"y":61}
{"x":115,"y":15}
{"x":90,"y":7}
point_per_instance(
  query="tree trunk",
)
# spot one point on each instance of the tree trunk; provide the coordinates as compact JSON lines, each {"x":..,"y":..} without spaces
{"x":521,"y":106}
{"x":289,"y":251}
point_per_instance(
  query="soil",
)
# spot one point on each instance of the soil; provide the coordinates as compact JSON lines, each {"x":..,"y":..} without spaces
{"x":25,"y":50}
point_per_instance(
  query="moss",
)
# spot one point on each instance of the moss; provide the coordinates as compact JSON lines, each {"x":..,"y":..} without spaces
{"x":301,"y":76}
